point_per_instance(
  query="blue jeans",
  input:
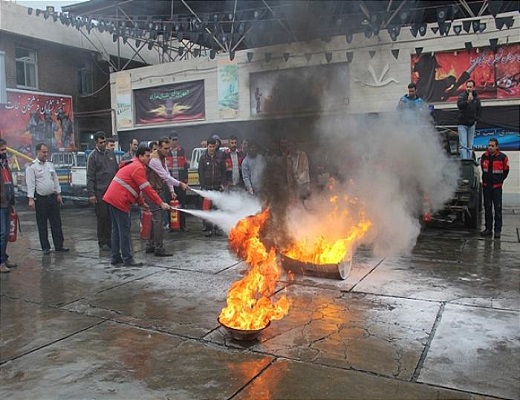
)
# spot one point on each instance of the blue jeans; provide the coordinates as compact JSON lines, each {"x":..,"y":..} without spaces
{"x":121,"y":248}
{"x":466,"y":135}
{"x":4,"y":233}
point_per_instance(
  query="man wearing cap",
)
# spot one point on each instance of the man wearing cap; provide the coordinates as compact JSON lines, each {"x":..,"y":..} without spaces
{"x":101,"y":169}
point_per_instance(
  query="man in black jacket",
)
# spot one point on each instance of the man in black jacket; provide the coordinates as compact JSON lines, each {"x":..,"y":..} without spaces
{"x":7,"y":204}
{"x":470,"y":110}
{"x":495,"y":168}
{"x":212,"y":176}
{"x":101,"y":169}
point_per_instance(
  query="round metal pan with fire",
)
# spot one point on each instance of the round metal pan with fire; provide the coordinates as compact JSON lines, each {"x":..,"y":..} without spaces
{"x":243,"y":335}
{"x":339,"y":270}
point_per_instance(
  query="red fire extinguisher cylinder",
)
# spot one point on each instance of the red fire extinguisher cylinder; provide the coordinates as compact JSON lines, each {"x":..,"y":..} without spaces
{"x":13,"y":226}
{"x":146,"y":225}
{"x":175,"y":215}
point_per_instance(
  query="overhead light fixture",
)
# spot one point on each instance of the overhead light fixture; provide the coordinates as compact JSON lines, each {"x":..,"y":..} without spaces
{"x":29,"y":11}
{"x":494,"y":7}
{"x":349,"y":37}
{"x":468,"y":46}
{"x":150,"y":45}
{"x":457,"y":29}
{"x":442,"y":14}
{"x":422,"y":29}
{"x":368,"y":32}
{"x":476,"y":25}
{"x":231,"y":55}
{"x":445,"y":28}
{"x":328,"y":56}
{"x":212,"y":54}
{"x":137,"y":42}
{"x":415,"y":30}
{"x":494,"y":44}
{"x":482,"y":27}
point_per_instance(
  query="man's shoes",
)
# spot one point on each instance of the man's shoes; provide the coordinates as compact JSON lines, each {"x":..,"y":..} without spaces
{"x":4,"y":269}
{"x":62,"y":250}
{"x":104,"y":247}
{"x":163,"y":254}
{"x":486,"y":233}
{"x":132,"y":263}
{"x":184,"y":229}
{"x":46,"y":252}
{"x":497,"y":235}
{"x":116,"y":262}
{"x":219,"y":232}
{"x":208,"y":233}
{"x":10,"y":264}
{"x":149,"y":250}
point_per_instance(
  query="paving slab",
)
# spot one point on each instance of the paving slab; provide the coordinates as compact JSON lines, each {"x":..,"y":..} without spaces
{"x":471,"y":284}
{"x":181,"y":302}
{"x":477,"y":350}
{"x":287,"y":379}
{"x":377,"y":334}
{"x":116,"y":361}
{"x":26,"y":327}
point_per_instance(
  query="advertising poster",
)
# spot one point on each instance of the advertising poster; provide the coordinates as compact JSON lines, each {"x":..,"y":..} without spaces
{"x":123,"y":101}
{"x":170,"y":103}
{"x":442,"y":76}
{"x":300,"y":90}
{"x":29,"y":118}
{"x":507,"y":139}
{"x":227,"y":89}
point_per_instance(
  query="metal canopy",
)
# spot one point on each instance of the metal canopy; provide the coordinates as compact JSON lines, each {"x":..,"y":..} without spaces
{"x":187,"y":26}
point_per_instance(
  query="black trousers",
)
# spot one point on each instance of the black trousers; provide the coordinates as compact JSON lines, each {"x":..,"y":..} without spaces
{"x":104,"y":223}
{"x":493,"y":199}
{"x":48,"y":209}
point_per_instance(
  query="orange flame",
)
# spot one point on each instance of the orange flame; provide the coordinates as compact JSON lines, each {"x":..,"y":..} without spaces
{"x":249,"y":302}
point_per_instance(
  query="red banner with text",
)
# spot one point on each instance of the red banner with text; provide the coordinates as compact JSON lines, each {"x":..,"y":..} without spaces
{"x":441,"y":76}
{"x":29,"y":118}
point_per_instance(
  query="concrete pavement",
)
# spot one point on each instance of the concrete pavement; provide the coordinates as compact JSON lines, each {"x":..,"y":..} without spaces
{"x":442,"y":323}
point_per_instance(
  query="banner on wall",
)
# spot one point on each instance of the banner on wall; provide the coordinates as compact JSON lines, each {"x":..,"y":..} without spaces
{"x":123,"y":101}
{"x":170,"y":103}
{"x":227,"y":88}
{"x":300,"y":90}
{"x":29,"y":118}
{"x":507,"y":139}
{"x":442,"y":76}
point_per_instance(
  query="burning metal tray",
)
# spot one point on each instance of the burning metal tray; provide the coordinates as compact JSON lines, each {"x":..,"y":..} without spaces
{"x":340,"y":270}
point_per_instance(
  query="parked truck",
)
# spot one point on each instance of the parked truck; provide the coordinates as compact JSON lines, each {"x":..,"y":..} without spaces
{"x":466,"y":203}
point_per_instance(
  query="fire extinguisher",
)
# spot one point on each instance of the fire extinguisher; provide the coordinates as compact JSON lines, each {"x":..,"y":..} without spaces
{"x":146,"y":225}
{"x":175,"y":215}
{"x":206,"y":204}
{"x":13,"y":226}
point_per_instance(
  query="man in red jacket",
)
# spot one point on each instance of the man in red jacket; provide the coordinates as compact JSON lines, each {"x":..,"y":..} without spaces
{"x":495,"y":168}
{"x":123,"y":191}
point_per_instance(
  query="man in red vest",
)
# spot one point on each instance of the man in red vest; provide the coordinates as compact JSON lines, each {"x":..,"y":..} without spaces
{"x":123,"y":191}
{"x":7,"y":204}
{"x":495,"y":168}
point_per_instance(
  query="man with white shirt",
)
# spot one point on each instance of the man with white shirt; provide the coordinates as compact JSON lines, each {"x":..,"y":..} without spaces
{"x":44,"y":193}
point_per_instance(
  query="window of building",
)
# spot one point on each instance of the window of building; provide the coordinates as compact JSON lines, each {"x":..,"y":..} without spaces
{"x":26,"y":68}
{"x":85,"y":79}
